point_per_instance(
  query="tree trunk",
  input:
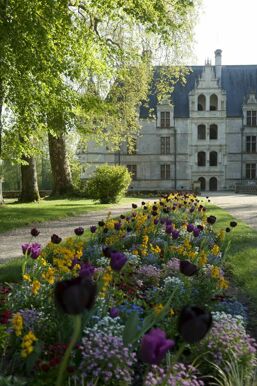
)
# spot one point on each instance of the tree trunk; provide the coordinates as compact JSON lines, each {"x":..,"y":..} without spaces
{"x":1,"y":133}
{"x":29,"y":186}
{"x":62,"y":180}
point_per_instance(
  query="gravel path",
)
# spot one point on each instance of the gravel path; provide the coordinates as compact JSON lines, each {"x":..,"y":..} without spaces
{"x":241,"y":206}
{"x":11,"y":241}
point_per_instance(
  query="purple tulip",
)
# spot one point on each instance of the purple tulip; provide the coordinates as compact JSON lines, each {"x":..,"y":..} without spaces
{"x":155,"y":221}
{"x":93,"y":229}
{"x":107,"y":251}
{"x":34,"y":232}
{"x":79,"y":231}
{"x":75,"y":295}
{"x":187,"y":268}
{"x":87,"y":270}
{"x":211,"y":220}
{"x":168,"y":222}
{"x":154,"y":346}
{"x":190,"y":227}
{"x":233,"y":224}
{"x":196,"y":232}
{"x":194,"y":323}
{"x":114,"y":312}
{"x":56,"y":239}
{"x":32,"y":250}
{"x":134,"y":206}
{"x":118,"y":260}
{"x":117,"y":226}
{"x":191,"y":209}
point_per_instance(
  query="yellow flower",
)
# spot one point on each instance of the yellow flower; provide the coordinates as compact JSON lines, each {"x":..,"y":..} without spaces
{"x":49,"y":275}
{"x":17,"y":323}
{"x":26,"y":277}
{"x":215,"y":250}
{"x":158,"y":308}
{"x":35,"y":287}
{"x":135,"y":252}
{"x":27,"y":344}
{"x":221,"y":234}
{"x":172,"y":313}
{"x":215,"y":272}
{"x":203,"y":259}
{"x":223,"y":283}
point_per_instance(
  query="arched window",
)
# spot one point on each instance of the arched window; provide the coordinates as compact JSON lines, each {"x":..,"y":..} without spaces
{"x":202,"y":182}
{"x":201,"y":158}
{"x":213,"y":131}
{"x":201,"y":103}
{"x":213,"y":184}
{"x":213,"y":102}
{"x":213,"y":158}
{"x":201,"y":132}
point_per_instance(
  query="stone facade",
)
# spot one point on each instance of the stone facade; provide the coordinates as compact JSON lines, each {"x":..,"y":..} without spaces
{"x":206,"y":134}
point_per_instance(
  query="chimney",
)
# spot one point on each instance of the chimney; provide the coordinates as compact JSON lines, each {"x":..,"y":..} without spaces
{"x":218,"y":63}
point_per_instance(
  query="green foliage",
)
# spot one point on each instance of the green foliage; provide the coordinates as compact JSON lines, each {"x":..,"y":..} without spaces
{"x":109,"y":183}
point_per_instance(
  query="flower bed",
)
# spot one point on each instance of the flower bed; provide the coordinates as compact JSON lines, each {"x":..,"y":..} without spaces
{"x":141,"y":302}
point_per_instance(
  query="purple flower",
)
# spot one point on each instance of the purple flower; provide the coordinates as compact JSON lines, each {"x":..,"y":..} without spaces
{"x":87,"y":270}
{"x":194,"y":323}
{"x":79,"y":231}
{"x":169,"y":229}
{"x":107,"y":251}
{"x":154,"y":346}
{"x":192,"y":209}
{"x":75,"y":295}
{"x":211,"y":220}
{"x":187,"y":268}
{"x":190,"y":227}
{"x":155,"y":221}
{"x":168,"y":222}
{"x":32,"y":250}
{"x":56,"y":239}
{"x":196,"y":232}
{"x":34,"y":232}
{"x":175,"y":234}
{"x":233,"y":224}
{"x":134,"y":206}
{"x":114,"y":312}
{"x":93,"y":229}
{"x":117,"y":226}
{"x":118,"y":260}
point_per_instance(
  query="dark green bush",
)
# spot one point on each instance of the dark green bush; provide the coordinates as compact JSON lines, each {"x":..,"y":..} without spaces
{"x":108,"y":184}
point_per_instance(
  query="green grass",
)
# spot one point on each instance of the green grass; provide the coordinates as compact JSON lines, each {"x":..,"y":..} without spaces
{"x":10,"y":271}
{"x":242,"y":254}
{"x":14,"y":215}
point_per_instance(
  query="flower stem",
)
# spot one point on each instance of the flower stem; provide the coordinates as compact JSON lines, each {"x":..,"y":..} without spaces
{"x":74,"y":338}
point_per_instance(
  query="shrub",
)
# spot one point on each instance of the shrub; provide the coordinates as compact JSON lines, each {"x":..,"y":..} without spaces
{"x":108,"y":184}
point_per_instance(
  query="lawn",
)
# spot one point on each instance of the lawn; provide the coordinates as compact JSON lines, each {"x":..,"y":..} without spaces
{"x":14,"y":214}
{"x":241,"y":262}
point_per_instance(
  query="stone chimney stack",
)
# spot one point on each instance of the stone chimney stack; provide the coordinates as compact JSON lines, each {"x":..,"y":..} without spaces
{"x":218,"y":63}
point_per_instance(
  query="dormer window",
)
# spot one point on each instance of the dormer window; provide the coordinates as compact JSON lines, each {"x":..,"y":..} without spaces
{"x":213,"y":102}
{"x":165,"y":119}
{"x":201,"y":106}
{"x":251,"y":118}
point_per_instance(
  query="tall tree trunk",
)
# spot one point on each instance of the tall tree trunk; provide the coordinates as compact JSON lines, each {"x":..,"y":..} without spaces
{"x":62,"y":180}
{"x":1,"y":133}
{"x":29,"y":186}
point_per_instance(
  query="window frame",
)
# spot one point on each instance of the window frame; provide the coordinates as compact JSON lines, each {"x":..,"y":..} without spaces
{"x":164,"y":145}
{"x":250,"y":146}
{"x":199,"y":163}
{"x":165,"y":171}
{"x":165,"y":120}
{"x":199,"y":127}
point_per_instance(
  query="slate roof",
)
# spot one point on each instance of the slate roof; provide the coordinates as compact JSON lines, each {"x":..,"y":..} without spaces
{"x":238,"y":81}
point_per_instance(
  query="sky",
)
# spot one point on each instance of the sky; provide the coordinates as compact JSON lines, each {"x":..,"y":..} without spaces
{"x":230,"y":25}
